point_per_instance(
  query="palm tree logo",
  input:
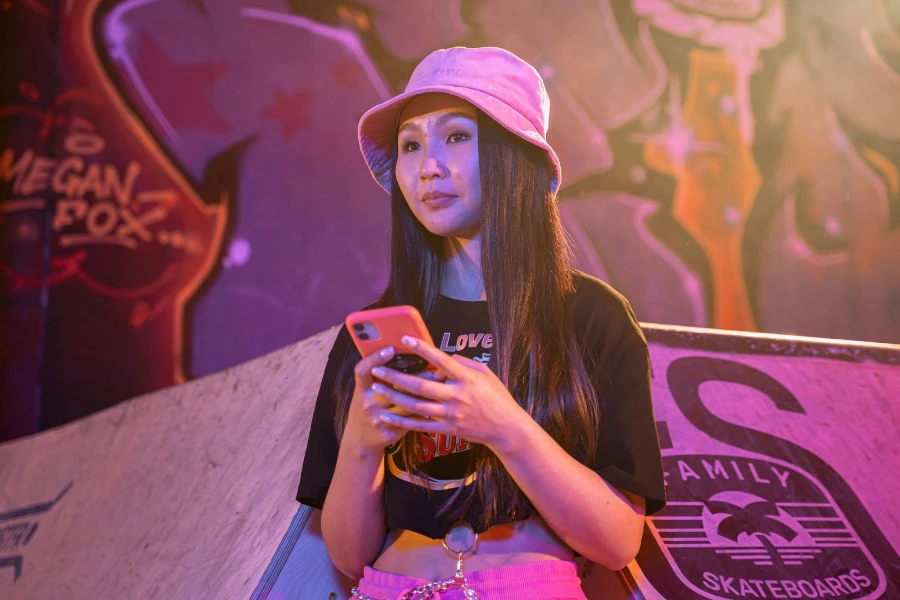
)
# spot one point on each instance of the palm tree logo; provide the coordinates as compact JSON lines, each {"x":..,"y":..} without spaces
{"x":754,"y":517}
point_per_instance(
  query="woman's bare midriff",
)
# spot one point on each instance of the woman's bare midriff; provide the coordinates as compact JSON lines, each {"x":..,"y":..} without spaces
{"x":412,"y":554}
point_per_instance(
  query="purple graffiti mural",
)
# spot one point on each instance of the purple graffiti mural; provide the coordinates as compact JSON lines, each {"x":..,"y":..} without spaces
{"x":730,"y":165}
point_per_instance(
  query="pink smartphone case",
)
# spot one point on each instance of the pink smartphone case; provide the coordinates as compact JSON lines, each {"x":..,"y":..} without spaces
{"x":392,"y":323}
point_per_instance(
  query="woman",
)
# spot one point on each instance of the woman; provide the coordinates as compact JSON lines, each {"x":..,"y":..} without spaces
{"x":537,"y":439}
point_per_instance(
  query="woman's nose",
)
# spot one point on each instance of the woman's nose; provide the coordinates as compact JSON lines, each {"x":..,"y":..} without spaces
{"x":432,"y":165}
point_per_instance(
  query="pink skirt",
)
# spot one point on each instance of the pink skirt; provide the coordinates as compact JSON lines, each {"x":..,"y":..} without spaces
{"x":542,"y":580}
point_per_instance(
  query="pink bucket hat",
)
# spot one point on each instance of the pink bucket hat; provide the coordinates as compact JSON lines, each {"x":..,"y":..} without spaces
{"x":498,"y":82}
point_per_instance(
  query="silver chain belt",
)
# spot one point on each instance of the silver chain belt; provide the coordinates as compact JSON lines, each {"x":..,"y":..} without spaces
{"x":428,"y":590}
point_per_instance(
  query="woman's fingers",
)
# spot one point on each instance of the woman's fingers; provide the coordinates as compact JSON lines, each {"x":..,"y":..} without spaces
{"x":472,"y":364}
{"x":413,"y":423}
{"x":415,"y":385}
{"x":373,"y":401}
{"x":430,"y":375}
{"x":399,"y":402}
{"x":391,"y":432}
{"x":376,"y":403}
{"x":363,"y":369}
{"x":375,"y":407}
{"x":413,"y":406}
{"x":436,"y":357}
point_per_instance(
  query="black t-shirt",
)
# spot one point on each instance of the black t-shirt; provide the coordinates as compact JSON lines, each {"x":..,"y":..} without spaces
{"x":628,"y":454}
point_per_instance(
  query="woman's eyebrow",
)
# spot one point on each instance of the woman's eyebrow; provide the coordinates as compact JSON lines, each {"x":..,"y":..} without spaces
{"x":440,"y":120}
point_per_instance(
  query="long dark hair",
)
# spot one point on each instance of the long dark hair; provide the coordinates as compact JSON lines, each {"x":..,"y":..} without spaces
{"x":525,"y":263}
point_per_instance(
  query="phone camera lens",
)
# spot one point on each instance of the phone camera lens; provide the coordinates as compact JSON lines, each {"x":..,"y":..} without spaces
{"x":363,"y":336}
{"x":359,"y":326}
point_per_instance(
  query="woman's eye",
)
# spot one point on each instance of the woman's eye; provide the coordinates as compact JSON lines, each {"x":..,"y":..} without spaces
{"x":409,"y":146}
{"x":458,"y":136}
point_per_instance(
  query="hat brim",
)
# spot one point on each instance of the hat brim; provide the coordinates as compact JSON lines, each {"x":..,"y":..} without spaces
{"x":377,"y":130}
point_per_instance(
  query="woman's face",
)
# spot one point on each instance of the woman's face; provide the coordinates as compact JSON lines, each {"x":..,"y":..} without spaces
{"x":437,"y":164}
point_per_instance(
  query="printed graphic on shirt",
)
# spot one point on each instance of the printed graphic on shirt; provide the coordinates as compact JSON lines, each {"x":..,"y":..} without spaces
{"x":444,"y":464}
{"x":433,"y":445}
{"x":467,"y":344}
{"x":466,"y":340}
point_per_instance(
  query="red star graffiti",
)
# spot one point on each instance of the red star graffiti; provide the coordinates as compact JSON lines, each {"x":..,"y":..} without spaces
{"x":180,"y":90}
{"x":289,"y":110}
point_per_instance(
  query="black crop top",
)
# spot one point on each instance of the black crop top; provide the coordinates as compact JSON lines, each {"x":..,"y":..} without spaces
{"x":628,"y":454}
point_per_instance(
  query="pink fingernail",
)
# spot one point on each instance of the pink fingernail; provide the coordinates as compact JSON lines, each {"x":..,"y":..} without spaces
{"x":411,"y":342}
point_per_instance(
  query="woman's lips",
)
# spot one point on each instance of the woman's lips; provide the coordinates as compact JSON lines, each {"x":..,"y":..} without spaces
{"x":439,"y":201}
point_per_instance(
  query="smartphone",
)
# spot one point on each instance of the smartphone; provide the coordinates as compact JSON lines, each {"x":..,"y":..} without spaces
{"x":373,"y":330}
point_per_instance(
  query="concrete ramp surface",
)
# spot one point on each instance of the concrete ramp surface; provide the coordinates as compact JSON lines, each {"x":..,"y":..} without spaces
{"x":781,"y":461}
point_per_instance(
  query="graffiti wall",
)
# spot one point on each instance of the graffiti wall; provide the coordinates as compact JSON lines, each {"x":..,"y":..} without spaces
{"x":181,"y":190}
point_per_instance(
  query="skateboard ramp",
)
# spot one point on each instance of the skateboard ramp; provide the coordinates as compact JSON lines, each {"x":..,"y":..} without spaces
{"x":780,"y":455}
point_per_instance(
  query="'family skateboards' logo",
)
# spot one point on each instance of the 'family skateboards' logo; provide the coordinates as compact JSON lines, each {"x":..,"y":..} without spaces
{"x":17,"y":528}
{"x":738,"y":527}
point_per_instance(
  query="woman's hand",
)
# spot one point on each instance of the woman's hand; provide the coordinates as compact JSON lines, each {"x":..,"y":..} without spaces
{"x":366,"y":426}
{"x":471,"y":403}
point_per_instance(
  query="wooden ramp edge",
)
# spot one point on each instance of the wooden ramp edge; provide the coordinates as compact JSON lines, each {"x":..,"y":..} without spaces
{"x":182,"y":493}
{"x":780,"y":450}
